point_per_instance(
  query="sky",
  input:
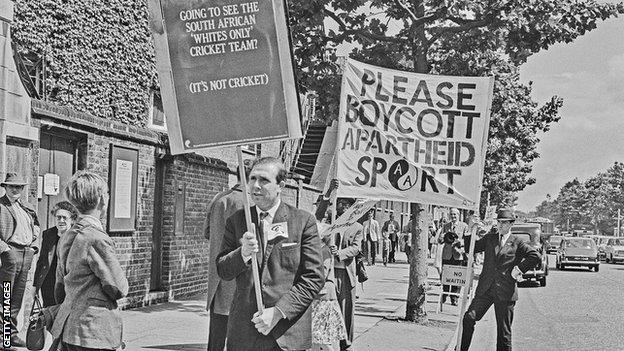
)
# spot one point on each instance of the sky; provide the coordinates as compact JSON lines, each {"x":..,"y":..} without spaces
{"x":589,"y":75}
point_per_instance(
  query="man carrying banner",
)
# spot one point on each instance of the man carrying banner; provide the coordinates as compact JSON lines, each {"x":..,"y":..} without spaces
{"x":221,"y":292}
{"x":290,"y":266}
{"x":391,"y":227}
{"x":506,"y":259}
{"x":347,"y":247}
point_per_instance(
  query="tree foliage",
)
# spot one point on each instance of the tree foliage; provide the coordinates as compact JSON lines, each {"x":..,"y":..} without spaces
{"x":471,"y":38}
{"x":100,"y":58}
{"x":592,"y":203}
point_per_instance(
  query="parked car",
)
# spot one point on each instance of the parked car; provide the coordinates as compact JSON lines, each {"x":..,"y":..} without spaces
{"x":578,"y":252}
{"x":614,"y":250}
{"x":553,"y":244}
{"x":601,"y":242}
{"x":531,"y":234}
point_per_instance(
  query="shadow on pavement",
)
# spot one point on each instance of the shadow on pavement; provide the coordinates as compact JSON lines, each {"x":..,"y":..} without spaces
{"x":180,"y":347}
{"x":195,"y":306}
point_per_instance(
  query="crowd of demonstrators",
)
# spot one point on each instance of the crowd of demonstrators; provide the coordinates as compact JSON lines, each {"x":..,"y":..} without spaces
{"x":89,"y":277}
{"x":64,"y":214}
{"x":19,"y":230}
{"x":346,"y":247}
{"x":291,"y":269}
{"x":391,"y":231}
{"x":221,"y":292}
{"x":372,"y":236}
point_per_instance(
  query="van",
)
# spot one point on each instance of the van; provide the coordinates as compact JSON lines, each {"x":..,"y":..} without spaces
{"x":531,"y":233}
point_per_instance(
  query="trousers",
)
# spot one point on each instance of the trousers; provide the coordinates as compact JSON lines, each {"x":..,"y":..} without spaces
{"x":504,"y":311}
{"x":14,"y":268}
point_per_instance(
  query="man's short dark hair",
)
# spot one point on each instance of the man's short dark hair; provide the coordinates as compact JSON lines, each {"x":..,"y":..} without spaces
{"x":281,"y":171}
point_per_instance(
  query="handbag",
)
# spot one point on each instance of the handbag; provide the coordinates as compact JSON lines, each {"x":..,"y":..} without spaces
{"x":360,"y":271}
{"x":35,"y":335}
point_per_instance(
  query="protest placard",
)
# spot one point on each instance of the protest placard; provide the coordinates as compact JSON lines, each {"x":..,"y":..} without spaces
{"x":412,"y":137}
{"x":350,"y":216}
{"x":225,"y":72}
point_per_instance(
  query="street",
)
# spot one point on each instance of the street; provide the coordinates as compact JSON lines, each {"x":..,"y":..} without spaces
{"x":577,"y":310}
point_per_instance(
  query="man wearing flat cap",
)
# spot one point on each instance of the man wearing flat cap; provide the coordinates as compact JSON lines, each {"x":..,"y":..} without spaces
{"x":506,"y":259}
{"x":19,"y":229}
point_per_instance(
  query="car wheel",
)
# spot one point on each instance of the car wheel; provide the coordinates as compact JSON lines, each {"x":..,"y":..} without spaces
{"x":611,"y":260}
{"x":562,"y":266}
{"x":596,"y":268}
{"x":542,"y":281}
{"x":606,"y":259}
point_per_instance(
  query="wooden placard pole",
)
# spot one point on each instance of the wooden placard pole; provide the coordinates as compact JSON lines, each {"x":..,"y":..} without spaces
{"x":468,"y":285}
{"x":250,"y":227}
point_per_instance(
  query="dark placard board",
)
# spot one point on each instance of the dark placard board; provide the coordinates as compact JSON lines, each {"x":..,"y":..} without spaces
{"x":123,"y":179}
{"x":225,"y":72}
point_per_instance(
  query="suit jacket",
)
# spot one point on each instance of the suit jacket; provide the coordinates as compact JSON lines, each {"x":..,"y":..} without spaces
{"x":220,"y":209}
{"x":499,"y":262}
{"x":291,"y":276}
{"x":372,"y":228}
{"x":392,"y":235}
{"x":46,"y":256}
{"x":8,"y":223}
{"x":89,"y":281}
{"x":460,"y":228}
{"x":350,"y":246}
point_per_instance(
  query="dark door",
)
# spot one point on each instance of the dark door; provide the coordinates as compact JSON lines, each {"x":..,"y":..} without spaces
{"x":58,"y":154}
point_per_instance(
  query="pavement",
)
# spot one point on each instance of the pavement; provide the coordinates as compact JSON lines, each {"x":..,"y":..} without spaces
{"x":379,"y":324}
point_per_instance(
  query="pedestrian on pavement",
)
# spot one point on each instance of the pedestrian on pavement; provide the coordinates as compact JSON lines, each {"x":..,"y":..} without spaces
{"x":454,"y":225}
{"x":432,"y":239}
{"x":89,"y":278}
{"x":452,"y":254}
{"x":391,"y":227}
{"x":328,"y":327}
{"x":221,"y":292}
{"x":290,"y":266}
{"x":65,"y":215}
{"x":347,"y":246}
{"x":19,"y":230}
{"x":372,"y":234}
{"x":506,"y":259}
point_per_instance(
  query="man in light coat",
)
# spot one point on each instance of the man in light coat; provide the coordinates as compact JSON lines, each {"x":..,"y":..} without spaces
{"x":346,"y":247}
{"x":19,"y":230}
{"x":372,"y":235}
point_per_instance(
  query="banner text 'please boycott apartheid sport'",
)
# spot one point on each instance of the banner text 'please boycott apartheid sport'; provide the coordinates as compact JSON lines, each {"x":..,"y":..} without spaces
{"x":412,"y":137}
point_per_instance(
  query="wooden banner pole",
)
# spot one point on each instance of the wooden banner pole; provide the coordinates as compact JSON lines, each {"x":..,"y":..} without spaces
{"x":469,"y":282}
{"x":250,"y":228}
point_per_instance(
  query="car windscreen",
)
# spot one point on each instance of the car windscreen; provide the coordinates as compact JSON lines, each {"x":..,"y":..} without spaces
{"x":524,"y":237}
{"x":555,"y":240}
{"x":582,"y":243}
{"x":618,"y":242}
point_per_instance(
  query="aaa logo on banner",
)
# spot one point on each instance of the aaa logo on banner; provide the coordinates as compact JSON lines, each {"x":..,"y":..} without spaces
{"x":412,"y":137}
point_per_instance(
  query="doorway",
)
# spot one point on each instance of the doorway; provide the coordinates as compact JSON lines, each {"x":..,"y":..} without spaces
{"x":61,"y":153}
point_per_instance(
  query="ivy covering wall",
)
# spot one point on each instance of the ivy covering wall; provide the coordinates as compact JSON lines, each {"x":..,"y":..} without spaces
{"x":100,"y":56}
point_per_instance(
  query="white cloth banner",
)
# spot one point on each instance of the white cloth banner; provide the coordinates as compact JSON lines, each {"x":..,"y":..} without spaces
{"x":412,"y":137}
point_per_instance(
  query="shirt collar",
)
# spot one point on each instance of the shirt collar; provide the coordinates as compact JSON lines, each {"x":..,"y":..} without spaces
{"x":271,"y":211}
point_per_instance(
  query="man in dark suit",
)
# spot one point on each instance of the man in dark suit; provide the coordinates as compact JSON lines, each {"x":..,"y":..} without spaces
{"x":290,"y":265}
{"x":220,"y":292}
{"x":19,"y":229}
{"x":506,"y":259}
